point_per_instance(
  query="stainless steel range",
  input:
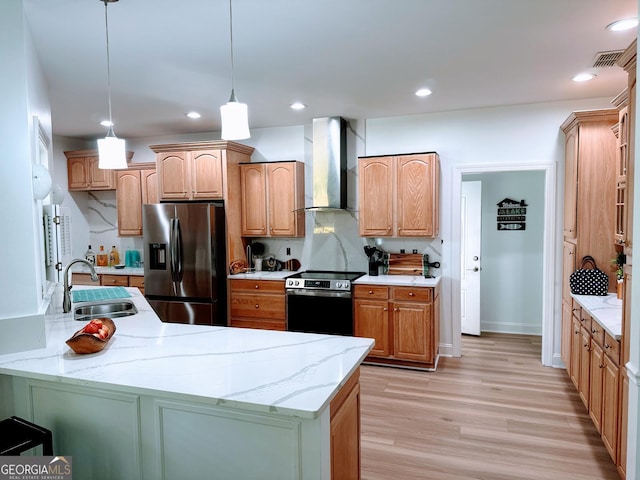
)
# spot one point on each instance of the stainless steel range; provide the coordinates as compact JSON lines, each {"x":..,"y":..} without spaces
{"x":320,"y":302}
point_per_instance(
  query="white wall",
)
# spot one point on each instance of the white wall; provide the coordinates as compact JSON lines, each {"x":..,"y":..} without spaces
{"x":511,"y":276}
{"x":23,"y":95}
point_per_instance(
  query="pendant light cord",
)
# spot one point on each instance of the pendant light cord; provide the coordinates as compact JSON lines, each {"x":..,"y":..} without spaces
{"x":231,"y":46}
{"x":106,"y":26}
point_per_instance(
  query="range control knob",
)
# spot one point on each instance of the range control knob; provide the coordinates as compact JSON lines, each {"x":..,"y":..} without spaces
{"x":338,"y":284}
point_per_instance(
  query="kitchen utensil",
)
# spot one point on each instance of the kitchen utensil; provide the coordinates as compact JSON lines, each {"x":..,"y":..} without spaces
{"x":292,"y":265}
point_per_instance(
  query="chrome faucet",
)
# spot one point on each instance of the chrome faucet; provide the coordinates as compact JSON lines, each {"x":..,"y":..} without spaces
{"x":66,"y":299}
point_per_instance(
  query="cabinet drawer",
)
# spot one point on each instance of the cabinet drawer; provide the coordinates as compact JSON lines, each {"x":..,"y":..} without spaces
{"x":371,"y":291}
{"x":114,"y":280}
{"x":597,"y":332}
{"x":265,"y":286}
{"x":612,"y":348}
{"x":136,"y":281}
{"x":419,"y":294}
{"x":263,"y":306}
{"x":258,"y":323}
{"x":83,"y":279}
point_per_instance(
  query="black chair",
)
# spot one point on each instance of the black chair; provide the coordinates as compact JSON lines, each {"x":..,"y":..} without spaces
{"x":18,"y":435}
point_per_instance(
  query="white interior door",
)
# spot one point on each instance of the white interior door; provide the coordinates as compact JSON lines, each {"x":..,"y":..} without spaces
{"x":471,"y":229}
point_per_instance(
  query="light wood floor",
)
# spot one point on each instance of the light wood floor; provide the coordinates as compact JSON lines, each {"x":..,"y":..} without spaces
{"x":494,"y":414}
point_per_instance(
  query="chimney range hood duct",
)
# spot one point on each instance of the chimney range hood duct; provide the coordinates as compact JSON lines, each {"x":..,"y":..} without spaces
{"x":329,"y":164}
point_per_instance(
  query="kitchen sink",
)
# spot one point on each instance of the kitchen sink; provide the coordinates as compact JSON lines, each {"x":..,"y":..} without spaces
{"x":110,"y":308}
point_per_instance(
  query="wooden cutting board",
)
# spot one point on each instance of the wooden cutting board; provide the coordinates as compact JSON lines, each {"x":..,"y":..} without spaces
{"x":405,"y":264}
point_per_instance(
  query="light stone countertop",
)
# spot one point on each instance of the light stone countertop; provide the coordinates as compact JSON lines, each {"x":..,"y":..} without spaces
{"x":263,"y":275}
{"x":247,"y":369}
{"x":606,"y":309}
{"x":398,"y":280}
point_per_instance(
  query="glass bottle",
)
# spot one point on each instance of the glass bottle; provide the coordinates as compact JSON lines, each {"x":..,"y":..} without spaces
{"x":102,"y":257}
{"x":89,"y":256}
{"x":114,"y":256}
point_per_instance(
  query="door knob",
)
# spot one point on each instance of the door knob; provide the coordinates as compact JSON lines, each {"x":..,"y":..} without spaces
{"x":475,"y":258}
{"x":474,"y":269}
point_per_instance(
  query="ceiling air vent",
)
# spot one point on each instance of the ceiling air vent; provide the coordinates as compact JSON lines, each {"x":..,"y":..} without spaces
{"x":607,"y":59}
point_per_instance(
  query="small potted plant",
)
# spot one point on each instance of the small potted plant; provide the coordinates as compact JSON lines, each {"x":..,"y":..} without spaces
{"x":617,"y":265}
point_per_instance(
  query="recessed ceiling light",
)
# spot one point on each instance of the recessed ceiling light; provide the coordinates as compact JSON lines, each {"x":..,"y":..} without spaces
{"x":624,"y":24}
{"x":298,"y":106}
{"x":423,"y":92}
{"x":106,"y":123}
{"x":584,"y":77}
{"x":193,"y":115}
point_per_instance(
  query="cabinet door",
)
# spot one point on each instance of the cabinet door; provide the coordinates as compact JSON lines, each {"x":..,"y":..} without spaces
{"x":282,"y":186}
{"x":412,"y":332}
{"x":129,"y":203}
{"x":254,"y":194}
{"x":101,"y":179}
{"x":576,"y":339}
{"x":567,"y":324}
{"x":622,"y":423}
{"x":206,"y":174}
{"x":595,"y":385}
{"x":375,"y":196}
{"x":345,"y":437}
{"x":585,"y":366}
{"x":372,"y":321}
{"x":174,"y":176}
{"x":77,"y":174}
{"x":415,"y":191}
{"x":149,"y":183}
{"x":570,"y":182}
{"x":568,"y":266}
{"x":610,"y":407}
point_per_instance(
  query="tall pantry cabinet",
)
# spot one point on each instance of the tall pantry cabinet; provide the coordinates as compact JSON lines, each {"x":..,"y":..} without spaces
{"x":626,"y":147}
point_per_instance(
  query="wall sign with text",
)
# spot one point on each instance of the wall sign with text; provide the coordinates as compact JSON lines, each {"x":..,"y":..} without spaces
{"x":512,"y":214}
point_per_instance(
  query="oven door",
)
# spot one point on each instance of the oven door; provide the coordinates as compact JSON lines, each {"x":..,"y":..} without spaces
{"x":317,"y":311}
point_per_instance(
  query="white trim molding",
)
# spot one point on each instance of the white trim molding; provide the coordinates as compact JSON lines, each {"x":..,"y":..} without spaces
{"x":551,"y":284}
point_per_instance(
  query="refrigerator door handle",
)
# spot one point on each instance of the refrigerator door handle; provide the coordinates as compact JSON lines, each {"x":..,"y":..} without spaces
{"x":176,"y":253}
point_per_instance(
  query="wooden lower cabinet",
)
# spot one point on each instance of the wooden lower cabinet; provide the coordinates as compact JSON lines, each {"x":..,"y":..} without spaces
{"x":108,"y":280}
{"x":595,"y":372}
{"x":257,"y":304}
{"x":403,"y":321}
{"x":345,"y":430}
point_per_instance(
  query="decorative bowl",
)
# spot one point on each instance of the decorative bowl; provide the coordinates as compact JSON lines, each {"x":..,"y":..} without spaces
{"x":85,"y":342}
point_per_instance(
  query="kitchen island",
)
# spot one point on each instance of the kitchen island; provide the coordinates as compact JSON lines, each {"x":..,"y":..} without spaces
{"x":166,"y":400}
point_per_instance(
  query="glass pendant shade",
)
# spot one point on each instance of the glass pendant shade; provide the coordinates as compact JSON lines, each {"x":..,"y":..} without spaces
{"x":111,"y":152}
{"x":235,"y":120}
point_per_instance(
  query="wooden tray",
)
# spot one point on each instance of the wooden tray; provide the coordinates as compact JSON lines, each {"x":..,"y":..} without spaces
{"x":81,"y":342}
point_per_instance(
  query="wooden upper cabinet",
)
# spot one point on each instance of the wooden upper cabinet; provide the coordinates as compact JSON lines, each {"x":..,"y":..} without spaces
{"x":376,"y":191}
{"x":399,"y":196}
{"x":417,"y":188}
{"x":285,"y":199}
{"x":206,"y":174}
{"x":254,"y":199}
{"x":135,"y":187}
{"x":190,"y":175}
{"x":83,"y":173}
{"x":174,"y":175}
{"x":149,"y":183}
{"x":272,"y":199}
{"x":129,"y":203}
{"x":570,"y":182}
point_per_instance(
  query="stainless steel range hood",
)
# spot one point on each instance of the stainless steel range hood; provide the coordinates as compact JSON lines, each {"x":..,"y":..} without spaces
{"x":329,"y":165}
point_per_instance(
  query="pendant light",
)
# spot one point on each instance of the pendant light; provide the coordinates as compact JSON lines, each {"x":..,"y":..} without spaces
{"x":111,"y":149}
{"x":234,"y":116}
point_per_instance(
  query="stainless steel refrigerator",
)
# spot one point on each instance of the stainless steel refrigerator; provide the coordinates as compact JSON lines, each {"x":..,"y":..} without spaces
{"x":185,"y":262}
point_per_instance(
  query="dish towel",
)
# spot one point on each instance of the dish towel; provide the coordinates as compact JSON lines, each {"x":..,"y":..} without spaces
{"x":94,"y":294}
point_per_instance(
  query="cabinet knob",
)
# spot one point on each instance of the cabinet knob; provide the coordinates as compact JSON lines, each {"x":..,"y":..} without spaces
{"x":411,"y":294}
{"x":601,"y":365}
{"x":607,"y":346}
{"x":257,"y":286}
{"x":594,"y":330}
{"x":396,"y":309}
{"x":370,"y":292}
{"x":257,"y":306}
{"x":385,"y":309}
